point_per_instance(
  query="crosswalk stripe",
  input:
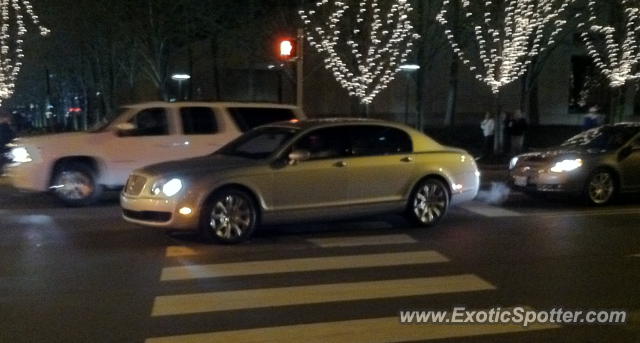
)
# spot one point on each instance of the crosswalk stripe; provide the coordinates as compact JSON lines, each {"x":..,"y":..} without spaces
{"x":299,"y":295}
{"x":489,"y":211}
{"x":341,"y":242}
{"x":179,"y":251}
{"x":379,"y":330}
{"x":300,"y":265}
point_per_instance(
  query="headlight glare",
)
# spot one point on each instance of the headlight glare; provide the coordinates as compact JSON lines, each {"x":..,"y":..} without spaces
{"x":20,"y":155}
{"x":167,"y":188}
{"x":567,"y":166}
{"x":513,"y":163}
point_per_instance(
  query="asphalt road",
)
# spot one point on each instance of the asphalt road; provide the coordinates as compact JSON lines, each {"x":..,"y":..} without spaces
{"x":84,"y":275}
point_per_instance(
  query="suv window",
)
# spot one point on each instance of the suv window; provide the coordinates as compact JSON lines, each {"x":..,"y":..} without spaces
{"x":198,"y":121}
{"x":150,"y":122}
{"x":248,"y":118}
{"x":379,"y":140}
{"x":325,"y":143}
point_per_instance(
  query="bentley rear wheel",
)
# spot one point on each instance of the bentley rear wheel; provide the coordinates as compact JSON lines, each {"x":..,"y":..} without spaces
{"x":428,"y":203}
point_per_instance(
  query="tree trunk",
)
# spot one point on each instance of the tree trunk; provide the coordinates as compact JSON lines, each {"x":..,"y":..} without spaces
{"x":533,"y":109}
{"x":216,"y":68}
{"x":191,"y":73}
{"x":452,"y":96}
{"x":499,"y":136}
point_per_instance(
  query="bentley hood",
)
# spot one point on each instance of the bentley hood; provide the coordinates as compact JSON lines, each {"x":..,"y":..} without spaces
{"x":201,"y":165}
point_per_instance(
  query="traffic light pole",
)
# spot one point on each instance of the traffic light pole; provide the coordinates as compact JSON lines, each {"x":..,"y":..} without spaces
{"x":300,"y":69}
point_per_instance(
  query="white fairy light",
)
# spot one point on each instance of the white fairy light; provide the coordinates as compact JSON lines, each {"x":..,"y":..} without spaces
{"x":615,"y":52}
{"x":363,"y":45}
{"x":508,"y":37}
{"x":12,"y":34}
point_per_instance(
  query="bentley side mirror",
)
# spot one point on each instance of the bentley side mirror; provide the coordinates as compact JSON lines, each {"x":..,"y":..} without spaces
{"x":298,"y":156}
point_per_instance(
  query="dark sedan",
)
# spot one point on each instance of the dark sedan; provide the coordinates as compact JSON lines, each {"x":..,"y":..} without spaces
{"x":597,"y":164}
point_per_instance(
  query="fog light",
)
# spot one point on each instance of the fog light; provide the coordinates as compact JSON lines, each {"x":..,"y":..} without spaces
{"x":185,"y":211}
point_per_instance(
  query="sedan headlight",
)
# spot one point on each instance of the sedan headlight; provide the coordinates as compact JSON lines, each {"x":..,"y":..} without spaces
{"x":20,"y":154}
{"x":566,"y":166}
{"x":513,"y":163}
{"x":168,"y":188}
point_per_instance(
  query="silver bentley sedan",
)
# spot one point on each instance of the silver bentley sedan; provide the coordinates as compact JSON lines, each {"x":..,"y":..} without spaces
{"x":596,"y":164}
{"x":303,"y":171}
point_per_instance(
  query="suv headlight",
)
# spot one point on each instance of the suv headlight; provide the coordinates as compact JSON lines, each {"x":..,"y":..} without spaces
{"x":167,"y":188}
{"x":566,"y":166}
{"x":20,"y":154}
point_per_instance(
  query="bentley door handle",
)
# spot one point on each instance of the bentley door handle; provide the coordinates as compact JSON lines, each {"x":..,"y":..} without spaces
{"x":341,"y":164}
{"x":407,"y":159}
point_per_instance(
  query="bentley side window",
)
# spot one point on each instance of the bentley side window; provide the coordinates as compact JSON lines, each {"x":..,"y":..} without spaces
{"x":324,"y":143}
{"x":379,"y":141}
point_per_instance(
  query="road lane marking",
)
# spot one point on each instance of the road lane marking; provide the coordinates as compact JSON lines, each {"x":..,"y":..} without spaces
{"x":179,"y":251}
{"x":301,"y":295}
{"x":489,"y":211}
{"x":341,"y":242}
{"x":378,"y":330}
{"x":300,"y":265}
{"x":592,"y":213}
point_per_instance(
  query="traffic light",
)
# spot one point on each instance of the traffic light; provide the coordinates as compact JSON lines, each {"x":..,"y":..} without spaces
{"x":287,"y":49}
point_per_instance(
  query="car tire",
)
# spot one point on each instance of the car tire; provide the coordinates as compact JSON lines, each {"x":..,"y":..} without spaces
{"x":229,"y":217}
{"x":429,"y":203}
{"x":601,"y":187}
{"x":75,"y":184}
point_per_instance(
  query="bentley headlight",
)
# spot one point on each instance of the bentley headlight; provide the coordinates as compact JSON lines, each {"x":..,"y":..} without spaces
{"x":567,"y":166}
{"x":513,"y":163}
{"x":20,"y":154}
{"x":167,"y":188}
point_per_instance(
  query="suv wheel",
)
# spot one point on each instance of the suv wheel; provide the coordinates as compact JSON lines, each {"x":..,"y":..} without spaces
{"x":428,"y":203}
{"x":230,"y":217}
{"x":75,"y":185}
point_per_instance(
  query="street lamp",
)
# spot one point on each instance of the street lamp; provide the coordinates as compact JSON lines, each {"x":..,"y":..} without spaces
{"x":409,"y":69}
{"x":180,"y":78}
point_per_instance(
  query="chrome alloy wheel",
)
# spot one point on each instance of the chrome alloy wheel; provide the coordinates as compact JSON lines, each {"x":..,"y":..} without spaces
{"x":430,"y":203}
{"x":601,"y":188}
{"x":231,"y":217}
{"x":73,"y":185}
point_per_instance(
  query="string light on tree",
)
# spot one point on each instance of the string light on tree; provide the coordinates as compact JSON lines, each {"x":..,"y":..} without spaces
{"x":508,"y":34}
{"x":615,"y":51}
{"x":15,"y":15}
{"x":363,"y":42}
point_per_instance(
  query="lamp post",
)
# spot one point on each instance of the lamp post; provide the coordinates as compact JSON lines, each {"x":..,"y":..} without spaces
{"x":409,"y":70}
{"x":180,"y":78}
{"x":292,"y":50}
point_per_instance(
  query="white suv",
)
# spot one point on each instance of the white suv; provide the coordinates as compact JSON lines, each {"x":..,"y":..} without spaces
{"x":77,"y":167}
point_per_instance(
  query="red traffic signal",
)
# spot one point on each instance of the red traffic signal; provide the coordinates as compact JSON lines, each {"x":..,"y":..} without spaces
{"x":286,"y":49}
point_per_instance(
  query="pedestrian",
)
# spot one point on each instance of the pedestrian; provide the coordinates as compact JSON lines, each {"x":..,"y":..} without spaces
{"x":6,"y":136}
{"x":518,"y":131}
{"x":592,"y":119}
{"x":489,"y":131}
{"x":509,"y":122}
